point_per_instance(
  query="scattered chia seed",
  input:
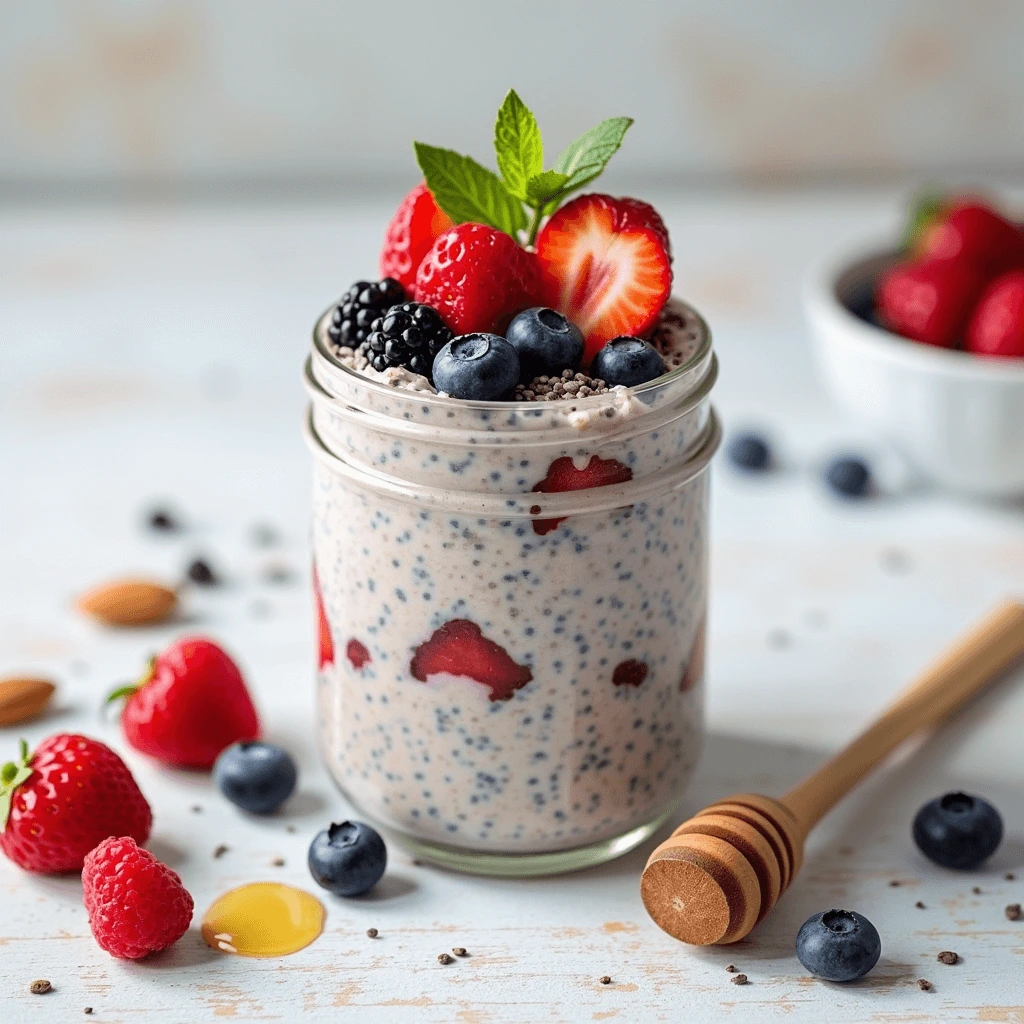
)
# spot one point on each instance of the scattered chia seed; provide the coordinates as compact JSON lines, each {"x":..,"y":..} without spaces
{"x":220,"y":851}
{"x":161,"y":519}
{"x":445,"y":958}
{"x":459,"y":950}
{"x":895,"y":883}
{"x":919,"y":905}
{"x":88,"y":1009}
{"x":739,"y":979}
{"x":1010,"y":876}
{"x":924,"y":985}
{"x":947,"y":956}
{"x":40,"y":987}
{"x":976,"y":890}
{"x":731,"y":968}
{"x":197,"y":809}
{"x":605,"y":980}
{"x":372,"y":933}
{"x":278,"y":862}
{"x":1013,"y":912}
{"x":568,"y":385}
{"x":289,"y":828}
{"x":200,"y":573}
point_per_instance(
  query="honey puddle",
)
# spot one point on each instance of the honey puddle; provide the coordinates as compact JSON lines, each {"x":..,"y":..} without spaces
{"x":263,"y":919}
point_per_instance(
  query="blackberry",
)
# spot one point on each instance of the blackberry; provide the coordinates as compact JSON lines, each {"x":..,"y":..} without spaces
{"x":363,"y":303}
{"x":408,"y":335}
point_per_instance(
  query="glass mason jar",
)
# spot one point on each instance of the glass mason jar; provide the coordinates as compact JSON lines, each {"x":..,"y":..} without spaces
{"x":511,"y":599}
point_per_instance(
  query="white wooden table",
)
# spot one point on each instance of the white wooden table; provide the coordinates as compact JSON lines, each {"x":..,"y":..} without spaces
{"x":155,"y":355}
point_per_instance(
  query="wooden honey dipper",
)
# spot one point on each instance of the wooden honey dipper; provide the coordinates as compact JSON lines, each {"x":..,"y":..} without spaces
{"x":723,"y":871}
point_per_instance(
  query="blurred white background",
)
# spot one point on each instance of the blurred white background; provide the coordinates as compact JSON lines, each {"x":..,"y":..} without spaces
{"x":307,"y":97}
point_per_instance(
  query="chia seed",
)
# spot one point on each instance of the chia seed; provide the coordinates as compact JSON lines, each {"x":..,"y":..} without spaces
{"x":372,"y":933}
{"x":40,"y":987}
{"x":739,"y":979}
{"x":445,"y":958}
{"x":924,"y":985}
{"x":1013,"y":912}
{"x":605,"y":980}
{"x":566,"y":386}
{"x":947,"y":956}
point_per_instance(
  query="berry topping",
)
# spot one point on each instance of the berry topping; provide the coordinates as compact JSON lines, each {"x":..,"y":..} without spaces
{"x":971,"y":232}
{"x":408,"y":335}
{"x":71,"y":794}
{"x":191,"y":704}
{"x":415,"y":225}
{"x":629,"y":673}
{"x":325,"y":643}
{"x":546,"y":342}
{"x":347,"y":859}
{"x":627,"y":361}
{"x":838,"y":945}
{"x":459,"y":648}
{"x":562,"y":475}
{"x":136,"y":905}
{"x":606,"y":265}
{"x":996,"y":327}
{"x":357,"y":654}
{"x":256,"y":776}
{"x":749,"y":452}
{"x":958,"y":831}
{"x":929,"y":301}
{"x":477,"y":278}
{"x":363,"y":303}
{"x":484,"y":367}
{"x":847,"y":476}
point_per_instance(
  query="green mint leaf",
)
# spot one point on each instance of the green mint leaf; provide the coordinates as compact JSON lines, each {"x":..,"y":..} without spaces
{"x":517,"y":144}
{"x":544,"y":186}
{"x":583,"y":160}
{"x":467,"y":191}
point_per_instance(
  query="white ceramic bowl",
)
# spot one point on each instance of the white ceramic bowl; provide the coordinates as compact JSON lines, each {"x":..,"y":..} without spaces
{"x":959,"y":418}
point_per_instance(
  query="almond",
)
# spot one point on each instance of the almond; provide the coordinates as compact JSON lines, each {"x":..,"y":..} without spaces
{"x":22,"y":698}
{"x":129,"y":602}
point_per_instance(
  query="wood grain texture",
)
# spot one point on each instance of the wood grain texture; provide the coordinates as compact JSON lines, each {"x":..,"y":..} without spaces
{"x":820,"y":612}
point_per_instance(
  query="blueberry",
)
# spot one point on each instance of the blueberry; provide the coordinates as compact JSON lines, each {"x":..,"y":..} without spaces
{"x":348,"y":859}
{"x":848,"y":476}
{"x":547,"y":343}
{"x":256,"y":776}
{"x":483,"y":367}
{"x":957,"y":830}
{"x":627,"y":361}
{"x":749,"y":452}
{"x":838,"y":945}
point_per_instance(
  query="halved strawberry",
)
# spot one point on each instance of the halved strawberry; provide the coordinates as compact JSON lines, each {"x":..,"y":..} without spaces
{"x":460,"y":649}
{"x":563,"y":475}
{"x":607,"y":265}
{"x":411,"y":233}
{"x":325,"y":642}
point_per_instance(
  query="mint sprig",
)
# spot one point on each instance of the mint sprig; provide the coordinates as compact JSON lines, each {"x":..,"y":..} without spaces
{"x":468,"y":191}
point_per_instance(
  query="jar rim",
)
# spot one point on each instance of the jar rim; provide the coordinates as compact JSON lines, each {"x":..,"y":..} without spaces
{"x":664,"y":382}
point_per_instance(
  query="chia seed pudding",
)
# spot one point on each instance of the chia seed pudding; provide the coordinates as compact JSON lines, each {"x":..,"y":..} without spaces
{"x":511,"y":598}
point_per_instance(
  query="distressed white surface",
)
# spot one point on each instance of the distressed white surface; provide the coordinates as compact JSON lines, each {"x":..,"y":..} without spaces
{"x":157,"y":355}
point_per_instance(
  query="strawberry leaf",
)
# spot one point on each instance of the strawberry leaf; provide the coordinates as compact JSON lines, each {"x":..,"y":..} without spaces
{"x":468,"y":191}
{"x":545,"y":186}
{"x":517,"y":145}
{"x":12,"y":775}
{"x":583,"y":160}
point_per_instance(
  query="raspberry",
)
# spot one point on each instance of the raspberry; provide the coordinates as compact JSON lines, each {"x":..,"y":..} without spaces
{"x":477,"y":278}
{"x":136,"y":905}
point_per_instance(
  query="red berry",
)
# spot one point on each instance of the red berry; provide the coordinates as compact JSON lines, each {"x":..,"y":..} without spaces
{"x":325,"y":643}
{"x":607,"y":265}
{"x":629,"y":673}
{"x":928,"y":301}
{"x":477,"y":278}
{"x":74,"y":793}
{"x":136,"y":905}
{"x":996,"y":327}
{"x":357,"y":654}
{"x":190,"y":706}
{"x":415,"y":225}
{"x":694,"y":670}
{"x":460,"y":649}
{"x":562,"y":475}
{"x":972,"y":231}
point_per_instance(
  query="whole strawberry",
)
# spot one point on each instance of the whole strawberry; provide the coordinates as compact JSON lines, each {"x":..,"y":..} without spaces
{"x":136,"y":905}
{"x":928,"y":301}
{"x":996,"y":327}
{"x":411,"y":233}
{"x":971,"y":230}
{"x":190,"y":705}
{"x":58,"y":803}
{"x":477,"y":278}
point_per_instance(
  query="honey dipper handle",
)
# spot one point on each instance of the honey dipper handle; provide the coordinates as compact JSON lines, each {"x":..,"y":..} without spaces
{"x":973,"y":662}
